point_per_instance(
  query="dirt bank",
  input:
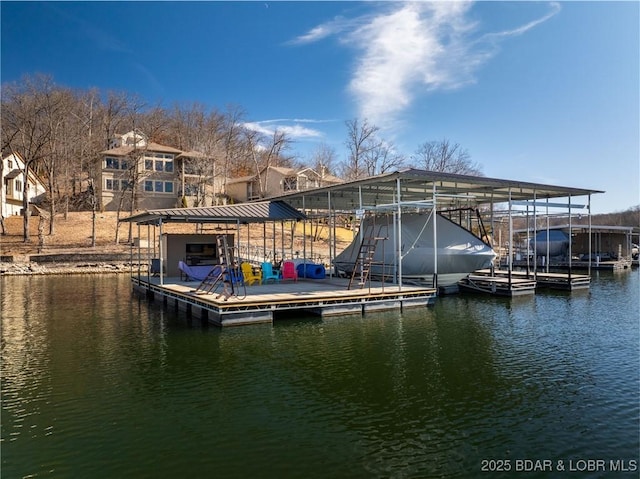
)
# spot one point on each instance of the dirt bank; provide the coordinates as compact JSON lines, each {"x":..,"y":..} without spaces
{"x":69,"y":250}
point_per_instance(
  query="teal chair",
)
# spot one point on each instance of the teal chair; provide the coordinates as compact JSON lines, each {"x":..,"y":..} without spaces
{"x":267,"y":273}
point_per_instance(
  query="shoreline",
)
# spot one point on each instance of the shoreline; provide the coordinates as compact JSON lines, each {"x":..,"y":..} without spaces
{"x":32,"y":268}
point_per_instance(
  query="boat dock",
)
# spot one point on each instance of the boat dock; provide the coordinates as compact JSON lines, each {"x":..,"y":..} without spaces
{"x":609,"y":265}
{"x":497,"y":285}
{"x":518,"y":283}
{"x":262,"y":303}
{"x":389,"y":201}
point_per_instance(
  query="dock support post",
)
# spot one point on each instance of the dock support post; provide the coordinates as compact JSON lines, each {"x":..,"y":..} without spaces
{"x":510,"y":250}
{"x":570,"y":242}
{"x":434,"y":214}
{"x":589,"y":215}
{"x":399,"y":236}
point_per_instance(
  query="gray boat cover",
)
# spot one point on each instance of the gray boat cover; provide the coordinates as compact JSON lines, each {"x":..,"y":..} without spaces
{"x":460,"y":252}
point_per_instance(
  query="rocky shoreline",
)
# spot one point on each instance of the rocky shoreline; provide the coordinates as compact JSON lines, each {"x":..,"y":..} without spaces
{"x":32,"y":268}
{"x":64,"y":262}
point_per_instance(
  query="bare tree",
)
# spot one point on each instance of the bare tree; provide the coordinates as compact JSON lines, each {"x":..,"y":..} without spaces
{"x":272,"y":155}
{"x":155,"y":122}
{"x":26,"y":128}
{"x":128,"y":184}
{"x":86,"y":143}
{"x":57,"y":113}
{"x":369,"y":154}
{"x":323,"y":160}
{"x":361,"y":142}
{"x":443,"y":156}
{"x":382,"y":158}
{"x":231,"y":143}
{"x":200,"y":134}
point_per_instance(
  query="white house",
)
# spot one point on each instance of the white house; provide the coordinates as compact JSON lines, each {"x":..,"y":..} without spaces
{"x":13,"y":181}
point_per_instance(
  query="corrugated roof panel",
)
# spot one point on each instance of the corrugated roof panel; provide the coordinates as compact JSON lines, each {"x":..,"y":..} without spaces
{"x":259,"y":212}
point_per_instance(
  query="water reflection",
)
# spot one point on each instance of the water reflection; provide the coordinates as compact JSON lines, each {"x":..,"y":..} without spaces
{"x":97,"y":383}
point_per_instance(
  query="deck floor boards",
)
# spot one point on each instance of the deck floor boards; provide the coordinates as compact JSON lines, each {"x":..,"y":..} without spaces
{"x":327,"y":296}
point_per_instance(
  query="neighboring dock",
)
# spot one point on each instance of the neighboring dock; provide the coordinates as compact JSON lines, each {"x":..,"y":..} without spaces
{"x":497,"y":285}
{"x":516,"y":283}
{"x":609,"y":265}
{"x":263,"y":303}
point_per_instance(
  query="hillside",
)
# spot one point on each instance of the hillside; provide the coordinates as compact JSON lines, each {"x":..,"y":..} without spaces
{"x":73,"y":234}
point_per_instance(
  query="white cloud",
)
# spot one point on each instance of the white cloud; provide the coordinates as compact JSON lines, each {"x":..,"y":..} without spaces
{"x":291,"y":127}
{"x":555,"y":8}
{"x":332,"y":27}
{"x":413,"y":47}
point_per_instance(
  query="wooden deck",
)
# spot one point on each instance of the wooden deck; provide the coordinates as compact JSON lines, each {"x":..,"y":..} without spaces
{"x":613,"y":265}
{"x":261,"y":303}
{"x":497,"y":285}
{"x":540,"y":280}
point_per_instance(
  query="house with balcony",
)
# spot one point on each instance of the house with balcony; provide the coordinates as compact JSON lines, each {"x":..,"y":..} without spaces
{"x":146,"y":175}
{"x":200,"y":183}
{"x":138,"y":172}
{"x":14,"y":178}
{"x":152,"y":176}
{"x":275,"y":181}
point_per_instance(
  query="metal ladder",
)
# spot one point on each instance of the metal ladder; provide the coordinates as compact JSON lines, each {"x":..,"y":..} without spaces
{"x":227,"y":270}
{"x":364,"y":260}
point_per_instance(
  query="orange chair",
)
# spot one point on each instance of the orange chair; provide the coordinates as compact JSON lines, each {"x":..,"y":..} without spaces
{"x":289,"y":271}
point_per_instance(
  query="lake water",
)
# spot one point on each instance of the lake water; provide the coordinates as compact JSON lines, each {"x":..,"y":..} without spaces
{"x":97,"y":383}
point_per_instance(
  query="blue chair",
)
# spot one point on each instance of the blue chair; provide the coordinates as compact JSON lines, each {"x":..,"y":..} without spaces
{"x":234,"y":275}
{"x":267,"y":273}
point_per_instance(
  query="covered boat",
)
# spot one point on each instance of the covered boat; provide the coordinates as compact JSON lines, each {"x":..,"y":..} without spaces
{"x":553,"y":242}
{"x":459,"y":251}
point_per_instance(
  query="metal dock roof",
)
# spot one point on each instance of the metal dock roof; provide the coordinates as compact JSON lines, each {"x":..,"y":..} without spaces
{"x":259,"y":212}
{"x":420,"y":185}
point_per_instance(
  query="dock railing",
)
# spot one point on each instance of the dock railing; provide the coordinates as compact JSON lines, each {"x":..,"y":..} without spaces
{"x":257,"y":254}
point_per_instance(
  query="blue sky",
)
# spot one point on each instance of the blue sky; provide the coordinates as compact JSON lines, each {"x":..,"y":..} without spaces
{"x":536,"y":91}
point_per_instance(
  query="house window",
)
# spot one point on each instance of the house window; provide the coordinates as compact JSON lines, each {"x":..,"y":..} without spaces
{"x":158,"y":162}
{"x":10,"y":164}
{"x":151,"y":186}
{"x":117,"y":185}
{"x":111,"y":163}
{"x":290,"y":184}
{"x":18,"y":185}
{"x":112,"y":185}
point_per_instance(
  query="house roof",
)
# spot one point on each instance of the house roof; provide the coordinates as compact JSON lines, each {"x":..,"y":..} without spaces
{"x":282,"y":169}
{"x":448,"y":189}
{"x":259,"y":212}
{"x":17,"y":171}
{"x":12,"y":174}
{"x":241,"y":179}
{"x":286,"y":171}
{"x":151,"y":146}
{"x":194,"y":154}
